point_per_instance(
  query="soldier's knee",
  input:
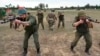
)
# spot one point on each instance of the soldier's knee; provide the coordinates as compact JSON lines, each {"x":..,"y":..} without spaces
{"x":25,"y":40}
{"x":73,"y":44}
{"x":36,"y":41}
{"x":37,"y":44}
{"x":89,"y":43}
{"x":25,"y":45}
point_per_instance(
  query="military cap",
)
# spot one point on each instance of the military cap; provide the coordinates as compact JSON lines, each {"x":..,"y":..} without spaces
{"x":81,"y":13}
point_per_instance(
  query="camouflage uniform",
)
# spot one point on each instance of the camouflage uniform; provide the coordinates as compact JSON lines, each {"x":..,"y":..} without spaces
{"x":11,"y":18}
{"x":61,"y":19}
{"x":51,"y":20}
{"x":40,"y":18}
{"x":31,"y":30}
{"x":82,"y":30}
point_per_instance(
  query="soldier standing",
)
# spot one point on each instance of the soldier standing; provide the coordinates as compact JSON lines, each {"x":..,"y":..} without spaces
{"x":51,"y":17}
{"x":82,"y":24}
{"x":40,"y":17}
{"x":31,"y":28}
{"x":11,"y":18}
{"x":61,"y":19}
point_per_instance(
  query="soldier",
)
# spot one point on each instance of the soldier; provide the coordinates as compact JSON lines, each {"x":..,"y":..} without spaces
{"x":31,"y":28}
{"x":11,"y":18}
{"x":51,"y":17}
{"x":61,"y":19}
{"x":82,"y":24}
{"x":8,"y":11}
{"x":40,"y":17}
{"x":18,"y":18}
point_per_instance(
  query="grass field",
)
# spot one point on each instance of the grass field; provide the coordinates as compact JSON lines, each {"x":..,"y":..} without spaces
{"x":53,"y":43}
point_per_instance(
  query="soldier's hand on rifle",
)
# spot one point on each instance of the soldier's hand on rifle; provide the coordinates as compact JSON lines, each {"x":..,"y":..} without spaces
{"x":18,"y":21}
{"x":78,"y":23}
{"x":25,"y":23}
{"x":87,"y":21}
{"x":81,"y":21}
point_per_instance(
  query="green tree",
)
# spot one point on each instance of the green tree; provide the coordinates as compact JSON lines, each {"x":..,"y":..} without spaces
{"x":87,"y":6}
{"x":47,"y":6}
{"x":78,"y":7}
{"x":36,"y":7}
{"x":61,"y":7}
{"x":42,"y":6}
{"x":9,"y":6}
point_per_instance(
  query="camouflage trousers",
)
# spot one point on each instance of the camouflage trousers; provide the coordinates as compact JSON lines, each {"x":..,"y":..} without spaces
{"x":36,"y":41}
{"x":51,"y":24}
{"x":60,"y":22}
{"x":41,"y":22}
{"x":11,"y":23}
{"x":87,"y":38}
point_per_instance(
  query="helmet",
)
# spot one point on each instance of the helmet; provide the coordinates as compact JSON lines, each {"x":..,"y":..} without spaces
{"x":81,"y":13}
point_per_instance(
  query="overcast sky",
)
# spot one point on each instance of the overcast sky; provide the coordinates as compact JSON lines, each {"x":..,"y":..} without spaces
{"x":51,"y":3}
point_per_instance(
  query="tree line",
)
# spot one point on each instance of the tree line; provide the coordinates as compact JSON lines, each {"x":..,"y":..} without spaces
{"x":43,"y":6}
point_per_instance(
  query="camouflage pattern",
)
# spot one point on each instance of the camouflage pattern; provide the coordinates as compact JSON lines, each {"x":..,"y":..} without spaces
{"x":40,"y":17}
{"x":31,"y":30}
{"x":61,"y":19}
{"x":11,"y":18}
{"x":51,"y":20}
{"x":87,"y":37}
{"x":82,"y":30}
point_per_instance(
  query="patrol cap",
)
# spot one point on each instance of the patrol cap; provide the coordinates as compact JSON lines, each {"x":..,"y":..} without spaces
{"x":22,"y":11}
{"x":81,"y":13}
